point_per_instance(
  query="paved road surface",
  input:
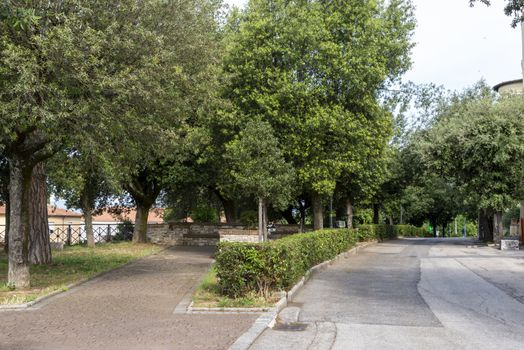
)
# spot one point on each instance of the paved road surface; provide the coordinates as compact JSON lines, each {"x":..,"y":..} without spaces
{"x":409,"y":294}
{"x":129,"y":308}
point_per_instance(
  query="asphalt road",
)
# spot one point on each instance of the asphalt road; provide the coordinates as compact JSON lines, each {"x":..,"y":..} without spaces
{"x":409,"y":294}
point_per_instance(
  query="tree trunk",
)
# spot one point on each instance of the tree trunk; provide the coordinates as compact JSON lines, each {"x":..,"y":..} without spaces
{"x":521,"y":222}
{"x":90,"y":235}
{"x":260,"y":219}
{"x":434,"y":224}
{"x":229,"y":206}
{"x":349,"y":213}
{"x":264,"y":218}
{"x":39,"y":244}
{"x":230,"y":211}
{"x":485,"y":225}
{"x":6,"y":227}
{"x":318,"y":212}
{"x":302,"y":210}
{"x":288,"y":215}
{"x":88,"y":220}
{"x":19,"y":188}
{"x":376,"y":214}
{"x":390,"y":220}
{"x":498,"y":228}
{"x":140,"y":230}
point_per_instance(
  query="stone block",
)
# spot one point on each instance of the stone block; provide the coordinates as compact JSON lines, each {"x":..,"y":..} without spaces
{"x":57,"y":245}
{"x":509,"y":244}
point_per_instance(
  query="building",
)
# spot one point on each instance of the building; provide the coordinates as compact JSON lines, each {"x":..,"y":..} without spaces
{"x":511,"y":86}
{"x":56,"y":216}
{"x":156,"y":216}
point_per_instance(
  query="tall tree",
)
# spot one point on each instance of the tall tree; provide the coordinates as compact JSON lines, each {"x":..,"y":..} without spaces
{"x":172,"y":58}
{"x":477,"y":140}
{"x":47,"y":58}
{"x":259,"y":167}
{"x":313,"y":70}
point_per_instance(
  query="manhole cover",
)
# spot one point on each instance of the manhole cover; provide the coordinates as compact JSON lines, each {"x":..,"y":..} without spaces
{"x":290,"y":327}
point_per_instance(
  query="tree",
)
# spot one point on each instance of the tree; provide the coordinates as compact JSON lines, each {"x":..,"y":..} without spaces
{"x":477,"y":140}
{"x":174,"y":81}
{"x":314,"y":73}
{"x":86,"y":179}
{"x":259,"y":168}
{"x":47,"y":62}
{"x":39,"y":244}
{"x":513,"y":8}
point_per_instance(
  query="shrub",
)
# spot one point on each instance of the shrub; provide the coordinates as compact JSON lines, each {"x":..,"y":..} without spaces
{"x":263,"y":267}
{"x":124,"y":231}
{"x":249,"y":218}
{"x":244,"y":268}
{"x":205,"y":214}
{"x":411,"y":231}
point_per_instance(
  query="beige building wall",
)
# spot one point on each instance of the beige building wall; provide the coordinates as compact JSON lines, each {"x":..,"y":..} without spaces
{"x":513,"y":87}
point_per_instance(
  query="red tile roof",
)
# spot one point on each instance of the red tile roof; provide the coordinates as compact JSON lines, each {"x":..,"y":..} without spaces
{"x":156,"y":216}
{"x":53,"y":211}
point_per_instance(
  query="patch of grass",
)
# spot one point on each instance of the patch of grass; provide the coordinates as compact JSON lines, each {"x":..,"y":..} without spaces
{"x":208,"y":294}
{"x":73,"y":264}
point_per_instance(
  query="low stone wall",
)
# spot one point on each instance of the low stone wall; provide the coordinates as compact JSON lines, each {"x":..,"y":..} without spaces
{"x":191,"y":234}
{"x":238,"y":235}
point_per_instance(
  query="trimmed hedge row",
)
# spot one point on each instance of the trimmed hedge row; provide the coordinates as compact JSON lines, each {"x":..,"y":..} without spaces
{"x":244,"y":268}
{"x":393,"y":231}
{"x":276,"y":265}
{"x":412,"y":231}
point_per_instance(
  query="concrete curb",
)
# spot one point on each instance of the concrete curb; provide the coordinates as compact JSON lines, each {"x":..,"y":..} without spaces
{"x":25,"y":306}
{"x":268,"y":319}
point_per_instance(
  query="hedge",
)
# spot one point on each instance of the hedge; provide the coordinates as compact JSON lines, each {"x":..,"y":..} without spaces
{"x":411,"y":231}
{"x":244,"y":268}
{"x":393,"y":231}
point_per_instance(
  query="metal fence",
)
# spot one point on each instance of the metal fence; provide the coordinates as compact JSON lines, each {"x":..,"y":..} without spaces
{"x":76,"y":233}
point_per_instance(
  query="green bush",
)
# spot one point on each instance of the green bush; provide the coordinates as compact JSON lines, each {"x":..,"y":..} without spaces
{"x":249,"y":218}
{"x":205,"y":214}
{"x":277,"y":265}
{"x":263,"y":267}
{"x":389,"y":232}
{"x":412,"y":231}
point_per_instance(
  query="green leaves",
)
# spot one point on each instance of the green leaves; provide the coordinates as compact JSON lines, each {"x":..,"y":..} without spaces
{"x":258,"y":165}
{"x":479,"y":141}
{"x":313,"y":70}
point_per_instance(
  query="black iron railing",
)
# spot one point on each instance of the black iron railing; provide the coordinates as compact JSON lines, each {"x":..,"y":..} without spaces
{"x":76,"y":233}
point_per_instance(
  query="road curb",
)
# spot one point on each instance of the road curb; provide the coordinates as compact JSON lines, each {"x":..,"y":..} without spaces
{"x":268,"y":319}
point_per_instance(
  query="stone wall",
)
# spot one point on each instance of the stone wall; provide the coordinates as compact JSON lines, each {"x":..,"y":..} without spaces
{"x":238,"y":235}
{"x":190,"y":234}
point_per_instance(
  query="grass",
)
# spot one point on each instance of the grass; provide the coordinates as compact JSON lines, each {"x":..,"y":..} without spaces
{"x":208,"y":294}
{"x":73,"y":264}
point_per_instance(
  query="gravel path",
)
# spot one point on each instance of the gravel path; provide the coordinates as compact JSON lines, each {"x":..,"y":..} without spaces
{"x":128,"y":308}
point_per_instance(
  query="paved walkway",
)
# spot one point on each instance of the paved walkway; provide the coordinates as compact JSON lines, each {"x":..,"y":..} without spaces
{"x":409,"y":294}
{"x":129,"y":308}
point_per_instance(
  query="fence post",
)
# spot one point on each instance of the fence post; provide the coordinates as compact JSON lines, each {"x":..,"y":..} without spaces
{"x":68,"y":239}
{"x":108,"y":238}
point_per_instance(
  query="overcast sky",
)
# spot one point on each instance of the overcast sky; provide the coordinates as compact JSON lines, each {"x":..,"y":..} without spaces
{"x":457,"y":45}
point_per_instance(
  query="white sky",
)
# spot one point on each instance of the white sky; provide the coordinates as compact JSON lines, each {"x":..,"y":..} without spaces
{"x":457,"y":45}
